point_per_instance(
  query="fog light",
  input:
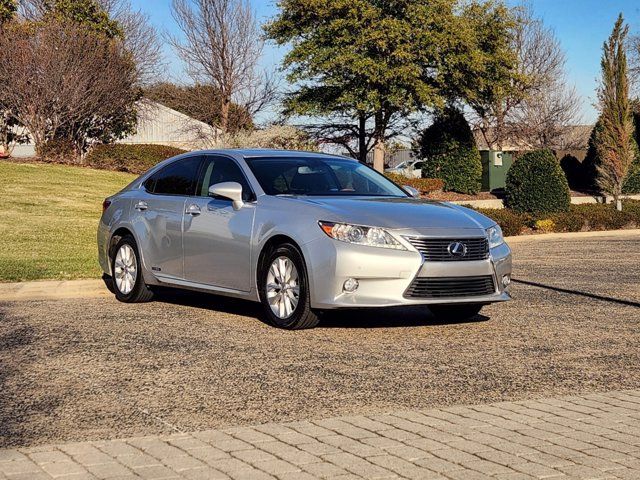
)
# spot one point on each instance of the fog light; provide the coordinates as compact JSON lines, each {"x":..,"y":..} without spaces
{"x":506,"y":280}
{"x":350,"y":285}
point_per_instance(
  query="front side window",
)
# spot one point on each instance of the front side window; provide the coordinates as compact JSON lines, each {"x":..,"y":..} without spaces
{"x":222,"y":169}
{"x":320,"y":176}
{"x":178,"y":178}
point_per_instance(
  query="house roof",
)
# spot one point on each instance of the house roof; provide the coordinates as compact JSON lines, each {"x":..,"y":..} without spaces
{"x":574,"y":137}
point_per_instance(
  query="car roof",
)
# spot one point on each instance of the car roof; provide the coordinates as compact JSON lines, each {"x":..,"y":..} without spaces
{"x":271,"y":153}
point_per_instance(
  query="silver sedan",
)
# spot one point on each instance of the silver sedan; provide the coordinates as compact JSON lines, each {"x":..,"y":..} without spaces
{"x":299,"y":232}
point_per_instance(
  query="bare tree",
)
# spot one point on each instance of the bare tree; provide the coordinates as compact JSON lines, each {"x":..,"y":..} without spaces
{"x":538,"y":88}
{"x":221,"y":46}
{"x":614,"y":141}
{"x":60,"y":80}
{"x":140,"y":37}
{"x":545,"y":118}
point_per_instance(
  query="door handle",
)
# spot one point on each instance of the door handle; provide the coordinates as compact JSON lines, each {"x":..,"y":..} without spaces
{"x":193,"y":209}
{"x":141,"y":206}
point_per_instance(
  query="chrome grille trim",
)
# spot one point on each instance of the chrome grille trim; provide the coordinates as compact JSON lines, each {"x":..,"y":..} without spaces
{"x":451,"y":287}
{"x":435,"y":249}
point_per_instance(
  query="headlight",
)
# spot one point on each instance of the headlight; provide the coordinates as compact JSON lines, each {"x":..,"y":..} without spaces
{"x":495,"y":236}
{"x":371,"y":236}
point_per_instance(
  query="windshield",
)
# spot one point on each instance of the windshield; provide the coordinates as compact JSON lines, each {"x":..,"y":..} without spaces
{"x":320,"y":176}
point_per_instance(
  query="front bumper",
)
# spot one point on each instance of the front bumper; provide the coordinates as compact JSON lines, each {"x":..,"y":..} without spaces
{"x":385,"y":275}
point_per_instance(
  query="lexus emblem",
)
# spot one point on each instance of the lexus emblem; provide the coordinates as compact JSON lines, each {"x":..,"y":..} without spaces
{"x":457,"y":249}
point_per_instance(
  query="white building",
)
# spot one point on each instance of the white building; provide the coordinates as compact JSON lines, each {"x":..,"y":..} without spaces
{"x":159,"y":125}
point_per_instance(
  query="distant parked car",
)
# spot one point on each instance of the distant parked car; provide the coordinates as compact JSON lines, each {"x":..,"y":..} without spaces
{"x":410,"y":168}
{"x":300,"y":233}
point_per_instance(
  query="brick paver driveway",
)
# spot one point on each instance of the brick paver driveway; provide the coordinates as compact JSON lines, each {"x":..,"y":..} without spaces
{"x":95,"y":369}
{"x":591,"y":436}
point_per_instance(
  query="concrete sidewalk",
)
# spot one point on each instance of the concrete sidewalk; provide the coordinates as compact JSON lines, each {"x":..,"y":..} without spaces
{"x":579,"y":437}
{"x":52,"y":289}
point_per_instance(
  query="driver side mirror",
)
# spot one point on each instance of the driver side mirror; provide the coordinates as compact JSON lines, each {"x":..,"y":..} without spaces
{"x":414,"y":192}
{"x":229,"y":190}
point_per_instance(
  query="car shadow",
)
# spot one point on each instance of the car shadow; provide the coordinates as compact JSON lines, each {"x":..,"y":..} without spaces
{"x":387,"y":317}
{"x":208,"y":301}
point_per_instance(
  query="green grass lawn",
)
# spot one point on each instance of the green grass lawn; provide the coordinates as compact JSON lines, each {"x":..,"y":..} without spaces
{"x":48,"y":220}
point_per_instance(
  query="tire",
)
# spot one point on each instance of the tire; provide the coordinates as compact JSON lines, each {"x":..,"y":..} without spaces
{"x":455,"y":313}
{"x":272,"y":287}
{"x":134,"y":290}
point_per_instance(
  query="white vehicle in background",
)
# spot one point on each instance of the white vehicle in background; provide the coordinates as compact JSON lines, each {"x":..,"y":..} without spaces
{"x":409,"y":168}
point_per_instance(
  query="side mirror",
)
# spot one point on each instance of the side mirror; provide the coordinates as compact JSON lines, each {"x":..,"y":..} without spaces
{"x":229,"y":190}
{"x":414,"y":192}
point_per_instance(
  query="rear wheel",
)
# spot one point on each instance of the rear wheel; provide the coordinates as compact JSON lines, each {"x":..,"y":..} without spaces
{"x":455,"y":313}
{"x":284,"y":289}
{"x":127,"y":280}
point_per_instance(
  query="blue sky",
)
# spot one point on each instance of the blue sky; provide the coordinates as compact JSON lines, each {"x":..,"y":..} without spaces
{"x":581,"y":25}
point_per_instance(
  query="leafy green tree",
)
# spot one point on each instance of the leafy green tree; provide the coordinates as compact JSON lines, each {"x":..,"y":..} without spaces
{"x":614,"y":142}
{"x":367,"y":58}
{"x":372,"y":62}
{"x":85,"y":12}
{"x":8,"y":9}
{"x":450,"y":153}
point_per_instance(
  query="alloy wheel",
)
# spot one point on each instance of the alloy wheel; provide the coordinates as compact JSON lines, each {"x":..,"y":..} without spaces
{"x":283,"y":288}
{"x":126,"y":269}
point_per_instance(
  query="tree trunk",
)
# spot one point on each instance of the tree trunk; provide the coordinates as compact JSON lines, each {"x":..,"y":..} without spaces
{"x":362,"y":138}
{"x":378,"y":155}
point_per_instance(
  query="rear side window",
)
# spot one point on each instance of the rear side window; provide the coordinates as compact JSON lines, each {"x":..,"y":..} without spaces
{"x":179,"y":178}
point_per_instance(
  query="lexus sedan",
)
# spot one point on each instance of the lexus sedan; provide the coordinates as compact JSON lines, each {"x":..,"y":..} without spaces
{"x":300,"y":233}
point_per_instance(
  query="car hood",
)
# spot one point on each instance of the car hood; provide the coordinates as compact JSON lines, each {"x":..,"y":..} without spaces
{"x":399,"y":213}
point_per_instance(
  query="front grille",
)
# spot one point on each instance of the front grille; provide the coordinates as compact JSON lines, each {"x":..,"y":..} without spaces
{"x":450,"y":287}
{"x":437,"y":249}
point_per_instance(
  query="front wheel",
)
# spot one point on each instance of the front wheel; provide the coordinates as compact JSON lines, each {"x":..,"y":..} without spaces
{"x":284,"y":289}
{"x":455,"y":313}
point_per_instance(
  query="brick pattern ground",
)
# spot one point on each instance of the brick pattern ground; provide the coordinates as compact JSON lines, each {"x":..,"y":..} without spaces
{"x":579,"y":437}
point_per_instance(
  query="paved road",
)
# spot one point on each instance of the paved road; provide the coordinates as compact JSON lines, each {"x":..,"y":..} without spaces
{"x":97,"y":369}
{"x":593,"y":436}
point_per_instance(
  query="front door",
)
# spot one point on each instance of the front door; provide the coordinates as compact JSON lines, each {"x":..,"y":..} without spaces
{"x":217,"y":238}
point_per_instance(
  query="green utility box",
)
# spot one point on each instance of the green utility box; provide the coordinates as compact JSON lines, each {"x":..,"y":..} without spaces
{"x":495,"y":166}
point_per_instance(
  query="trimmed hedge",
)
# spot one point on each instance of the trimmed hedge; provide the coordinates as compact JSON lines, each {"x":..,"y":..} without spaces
{"x":450,"y":153}
{"x":129,"y":158}
{"x":511,"y":223}
{"x":423,"y":185}
{"x":536,"y":184}
{"x":579,"y":218}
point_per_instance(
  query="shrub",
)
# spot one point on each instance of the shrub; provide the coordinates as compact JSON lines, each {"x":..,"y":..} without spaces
{"x":423,"y":185}
{"x":545,"y":225}
{"x":450,"y":153}
{"x":536,"y":184}
{"x":129,"y":158}
{"x":595,"y":216}
{"x":510,"y":222}
{"x":57,"y":151}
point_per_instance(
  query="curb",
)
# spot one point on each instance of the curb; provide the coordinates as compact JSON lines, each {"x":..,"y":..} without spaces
{"x":572,"y":235}
{"x":52,"y":289}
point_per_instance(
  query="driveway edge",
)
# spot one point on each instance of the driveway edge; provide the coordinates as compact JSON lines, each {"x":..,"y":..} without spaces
{"x":52,"y":289}
{"x":573,"y":235}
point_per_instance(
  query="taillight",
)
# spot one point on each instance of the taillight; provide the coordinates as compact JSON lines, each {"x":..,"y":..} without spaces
{"x":105,"y":205}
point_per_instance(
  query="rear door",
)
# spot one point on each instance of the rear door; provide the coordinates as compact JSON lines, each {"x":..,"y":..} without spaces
{"x":158,"y":215}
{"x":217,"y":238}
